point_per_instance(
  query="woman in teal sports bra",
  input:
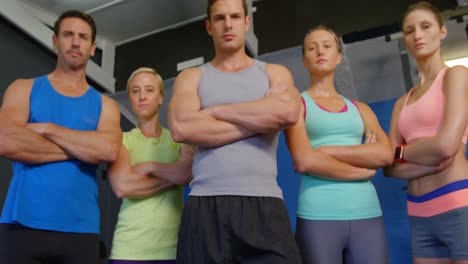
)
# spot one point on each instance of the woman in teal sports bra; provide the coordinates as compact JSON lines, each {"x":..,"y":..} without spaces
{"x":338,"y":209}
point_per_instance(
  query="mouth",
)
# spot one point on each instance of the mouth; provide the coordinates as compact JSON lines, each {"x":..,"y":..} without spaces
{"x":75,"y":53}
{"x":321,"y":61}
{"x":228,"y":37}
{"x":419,"y":45}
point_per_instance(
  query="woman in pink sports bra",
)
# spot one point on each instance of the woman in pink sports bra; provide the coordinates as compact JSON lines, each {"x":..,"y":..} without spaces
{"x":429,"y":132}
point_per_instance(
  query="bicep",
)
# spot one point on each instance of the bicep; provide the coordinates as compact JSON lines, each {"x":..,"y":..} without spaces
{"x":456,"y":107}
{"x":371,"y":123}
{"x":185,"y":97}
{"x":15,"y":105}
{"x":110,"y":116}
{"x":296,"y":137}
{"x":394,"y":134}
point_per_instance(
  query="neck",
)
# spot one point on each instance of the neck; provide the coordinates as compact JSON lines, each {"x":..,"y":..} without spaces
{"x":150,"y":127}
{"x":70,"y":77}
{"x":322,"y":86}
{"x":429,"y":67}
{"x":231,"y":62}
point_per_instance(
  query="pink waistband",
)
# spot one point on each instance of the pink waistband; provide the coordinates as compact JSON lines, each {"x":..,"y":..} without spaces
{"x":439,"y":205}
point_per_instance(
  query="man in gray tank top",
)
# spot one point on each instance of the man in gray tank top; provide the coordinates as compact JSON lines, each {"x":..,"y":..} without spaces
{"x":232,"y":110}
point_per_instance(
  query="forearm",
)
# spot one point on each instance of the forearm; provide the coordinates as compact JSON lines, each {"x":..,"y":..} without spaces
{"x":327,"y":167}
{"x":426,"y":151}
{"x":207,"y":132}
{"x":371,"y":156}
{"x":135,"y":185}
{"x":179,"y":172}
{"x":24,"y":145}
{"x":409,"y":171}
{"x":88,"y":146}
{"x":266,"y":115}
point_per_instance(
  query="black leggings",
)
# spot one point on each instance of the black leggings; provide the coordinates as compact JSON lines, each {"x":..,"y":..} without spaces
{"x":23,"y":245}
{"x":342,"y":241}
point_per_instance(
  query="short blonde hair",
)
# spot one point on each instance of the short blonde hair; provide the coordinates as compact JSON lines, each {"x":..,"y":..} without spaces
{"x":146,"y":70}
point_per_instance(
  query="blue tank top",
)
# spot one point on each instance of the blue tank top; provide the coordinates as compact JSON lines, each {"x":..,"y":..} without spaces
{"x":246,"y":167}
{"x":323,"y":199}
{"x":59,"y":196}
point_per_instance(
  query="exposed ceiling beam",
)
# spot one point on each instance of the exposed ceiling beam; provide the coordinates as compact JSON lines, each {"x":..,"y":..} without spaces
{"x":104,"y":6}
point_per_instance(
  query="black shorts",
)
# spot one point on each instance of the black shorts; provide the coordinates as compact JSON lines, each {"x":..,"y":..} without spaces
{"x":23,"y":245}
{"x":236,"y":229}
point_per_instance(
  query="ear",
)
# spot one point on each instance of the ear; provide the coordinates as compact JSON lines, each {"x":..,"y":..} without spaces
{"x":247,"y":23}
{"x":161,"y":99}
{"x":340,"y":58}
{"x":93,"y":49}
{"x":444,"y":32}
{"x":54,"y":42}
{"x":208,"y":26}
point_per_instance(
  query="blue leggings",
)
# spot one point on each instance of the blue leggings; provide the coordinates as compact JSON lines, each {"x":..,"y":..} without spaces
{"x":342,"y":241}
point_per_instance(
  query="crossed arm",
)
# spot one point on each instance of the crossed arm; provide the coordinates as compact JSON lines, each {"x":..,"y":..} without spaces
{"x":377,"y":151}
{"x":219,"y":125}
{"x":308,"y":160}
{"x":45,"y":142}
{"x":276,"y":111}
{"x":147,"y":178}
{"x":426,"y":156}
{"x":431,"y":151}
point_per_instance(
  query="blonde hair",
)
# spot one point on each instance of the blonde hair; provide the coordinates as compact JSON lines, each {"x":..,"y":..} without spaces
{"x":423,"y":5}
{"x":146,"y":70}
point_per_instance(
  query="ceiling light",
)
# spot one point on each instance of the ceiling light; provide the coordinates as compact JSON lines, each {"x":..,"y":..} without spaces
{"x":460,"y":61}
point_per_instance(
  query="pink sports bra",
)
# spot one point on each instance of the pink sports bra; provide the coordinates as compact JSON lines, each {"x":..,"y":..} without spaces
{"x":424,"y":117}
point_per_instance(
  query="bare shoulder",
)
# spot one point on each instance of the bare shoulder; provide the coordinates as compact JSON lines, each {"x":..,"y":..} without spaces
{"x":21,"y":85}
{"x":276,"y":69}
{"x":456,"y":73}
{"x":109,"y":106}
{"x":190,"y":74}
{"x":18,"y":91}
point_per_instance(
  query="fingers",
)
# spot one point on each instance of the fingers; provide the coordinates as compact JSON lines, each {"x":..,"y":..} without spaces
{"x":371,"y":137}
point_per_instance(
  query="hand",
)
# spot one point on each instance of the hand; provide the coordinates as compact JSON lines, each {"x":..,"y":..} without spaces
{"x":371,"y":137}
{"x":444,"y":164}
{"x":40,"y":128}
{"x":277,"y":89}
{"x":209,"y":111}
{"x":187,"y":153}
{"x":369,"y":173}
{"x":140,"y":168}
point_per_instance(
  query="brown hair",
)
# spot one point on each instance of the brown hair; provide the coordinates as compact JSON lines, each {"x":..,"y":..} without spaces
{"x":76,"y":14}
{"x":339,"y":45}
{"x":423,"y":5}
{"x":211,"y":3}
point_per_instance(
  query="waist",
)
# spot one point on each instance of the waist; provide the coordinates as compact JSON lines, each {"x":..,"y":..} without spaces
{"x":446,"y":198}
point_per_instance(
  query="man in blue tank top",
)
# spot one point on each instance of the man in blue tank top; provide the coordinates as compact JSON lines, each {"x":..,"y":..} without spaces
{"x":232,"y":109}
{"x":56,"y":129}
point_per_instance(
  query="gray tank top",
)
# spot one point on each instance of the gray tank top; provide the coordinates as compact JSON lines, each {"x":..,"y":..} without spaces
{"x":246,"y":167}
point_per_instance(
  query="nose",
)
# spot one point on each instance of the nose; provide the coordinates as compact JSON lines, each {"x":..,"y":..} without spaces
{"x":228,"y":23}
{"x":417,"y":33}
{"x":319,"y":50}
{"x":142,"y":95}
{"x":75,"y":41}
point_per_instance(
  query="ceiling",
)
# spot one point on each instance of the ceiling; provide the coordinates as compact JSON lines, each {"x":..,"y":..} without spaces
{"x":121,"y":21}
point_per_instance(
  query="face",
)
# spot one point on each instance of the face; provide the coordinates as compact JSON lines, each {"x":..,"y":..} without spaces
{"x":74,"y":43}
{"x":145,"y":95}
{"x":321,"y":52}
{"x":422,"y":33}
{"x":228,"y":25}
